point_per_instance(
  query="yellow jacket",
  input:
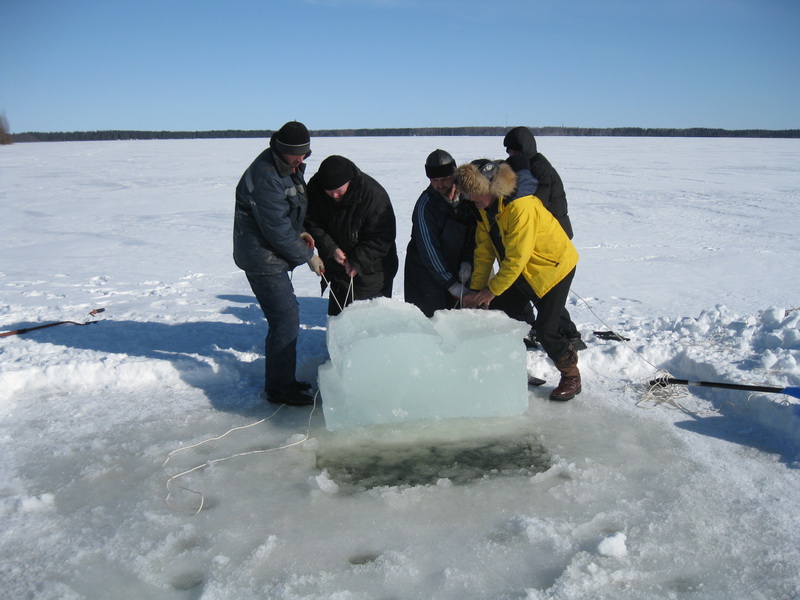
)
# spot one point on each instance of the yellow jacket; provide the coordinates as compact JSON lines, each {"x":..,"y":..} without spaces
{"x":534,"y":244}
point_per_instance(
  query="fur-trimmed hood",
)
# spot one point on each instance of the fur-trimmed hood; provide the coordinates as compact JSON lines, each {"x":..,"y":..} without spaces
{"x":485,"y":176}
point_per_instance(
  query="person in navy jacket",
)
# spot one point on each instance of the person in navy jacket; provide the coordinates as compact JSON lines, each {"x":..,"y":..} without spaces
{"x":439,"y":255}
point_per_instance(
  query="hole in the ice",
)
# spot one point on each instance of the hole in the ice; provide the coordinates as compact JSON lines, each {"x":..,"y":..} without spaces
{"x":188,"y":580}
{"x":460,"y":462}
{"x":363,"y":559}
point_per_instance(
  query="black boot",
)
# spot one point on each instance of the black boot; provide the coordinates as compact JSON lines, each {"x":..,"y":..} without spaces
{"x":291,"y":397}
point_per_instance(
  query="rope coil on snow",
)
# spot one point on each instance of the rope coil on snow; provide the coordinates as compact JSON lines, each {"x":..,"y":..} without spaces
{"x":658,"y":393}
{"x":210,"y":463}
{"x":665,"y":390}
{"x":654,"y":391}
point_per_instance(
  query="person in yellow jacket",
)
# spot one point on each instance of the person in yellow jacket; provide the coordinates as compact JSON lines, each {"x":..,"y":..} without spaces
{"x":534,"y":255}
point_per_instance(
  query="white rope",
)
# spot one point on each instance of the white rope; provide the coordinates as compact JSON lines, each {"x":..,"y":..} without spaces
{"x":657,"y":393}
{"x":459,"y":303}
{"x":351,"y":294}
{"x":210,"y":463}
{"x":620,"y":338}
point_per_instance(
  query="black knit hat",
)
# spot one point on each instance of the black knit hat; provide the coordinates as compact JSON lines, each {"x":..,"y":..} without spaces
{"x":292,"y":138}
{"x":439,"y":164}
{"x":334,"y":172}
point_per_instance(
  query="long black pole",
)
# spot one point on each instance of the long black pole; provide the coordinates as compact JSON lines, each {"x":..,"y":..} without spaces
{"x":27,"y":329}
{"x":791,"y":391}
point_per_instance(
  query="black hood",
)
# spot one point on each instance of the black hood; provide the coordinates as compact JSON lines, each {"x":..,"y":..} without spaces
{"x":521,"y":139}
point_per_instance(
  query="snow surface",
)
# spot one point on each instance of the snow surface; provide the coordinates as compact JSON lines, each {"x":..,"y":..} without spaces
{"x":689,"y":247}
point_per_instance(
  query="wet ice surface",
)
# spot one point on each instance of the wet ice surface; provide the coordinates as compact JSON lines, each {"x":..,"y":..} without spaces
{"x":292,"y":524}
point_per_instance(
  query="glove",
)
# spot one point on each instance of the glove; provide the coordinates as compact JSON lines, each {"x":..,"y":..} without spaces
{"x":316,"y":265}
{"x":464,"y":272}
{"x":457,"y":290}
{"x":306,"y":237}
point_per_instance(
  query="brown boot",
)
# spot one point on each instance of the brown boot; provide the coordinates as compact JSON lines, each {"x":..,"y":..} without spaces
{"x":567,"y":389}
{"x":570,"y":384}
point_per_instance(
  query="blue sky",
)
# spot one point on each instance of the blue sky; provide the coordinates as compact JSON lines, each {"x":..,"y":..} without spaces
{"x":245,"y":64}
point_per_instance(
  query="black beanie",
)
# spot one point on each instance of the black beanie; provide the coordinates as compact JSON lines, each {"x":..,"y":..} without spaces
{"x":439,"y":164}
{"x":292,"y":138}
{"x":334,"y":172}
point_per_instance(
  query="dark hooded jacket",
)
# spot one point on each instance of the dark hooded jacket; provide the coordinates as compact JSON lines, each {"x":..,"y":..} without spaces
{"x":442,"y":237}
{"x":271,"y":207}
{"x":550,"y":188}
{"x":362,"y":224}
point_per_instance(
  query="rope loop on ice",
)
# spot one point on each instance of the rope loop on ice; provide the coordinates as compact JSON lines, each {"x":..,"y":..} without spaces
{"x":173,"y":478}
{"x":657,"y":393}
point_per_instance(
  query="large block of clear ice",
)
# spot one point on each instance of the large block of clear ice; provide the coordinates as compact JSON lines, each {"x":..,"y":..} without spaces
{"x":390,"y":364}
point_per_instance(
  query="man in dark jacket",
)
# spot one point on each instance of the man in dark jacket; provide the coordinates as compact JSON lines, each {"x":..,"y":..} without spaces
{"x":550,"y":190}
{"x":268,"y":242}
{"x":352,"y":220}
{"x":439,"y":255}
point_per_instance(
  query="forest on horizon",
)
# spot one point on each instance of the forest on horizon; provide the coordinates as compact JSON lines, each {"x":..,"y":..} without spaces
{"x":407,"y":131}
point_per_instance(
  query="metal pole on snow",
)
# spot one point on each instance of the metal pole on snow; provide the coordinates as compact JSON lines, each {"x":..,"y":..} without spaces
{"x":789,"y":391}
{"x":27,"y":329}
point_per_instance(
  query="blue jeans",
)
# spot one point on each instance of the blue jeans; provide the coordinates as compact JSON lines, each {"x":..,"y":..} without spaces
{"x":275,"y":295}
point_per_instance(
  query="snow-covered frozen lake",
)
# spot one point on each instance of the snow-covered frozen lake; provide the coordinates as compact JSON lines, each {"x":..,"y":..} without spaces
{"x":689,"y":247}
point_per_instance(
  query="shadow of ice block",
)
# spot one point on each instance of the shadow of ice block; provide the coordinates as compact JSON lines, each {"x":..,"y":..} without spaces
{"x":390,"y":364}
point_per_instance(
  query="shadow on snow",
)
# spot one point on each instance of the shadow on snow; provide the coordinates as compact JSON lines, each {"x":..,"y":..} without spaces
{"x":766,"y":422}
{"x":225,"y":360}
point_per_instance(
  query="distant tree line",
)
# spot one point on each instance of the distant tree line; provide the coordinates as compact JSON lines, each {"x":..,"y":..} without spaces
{"x":86,"y":136}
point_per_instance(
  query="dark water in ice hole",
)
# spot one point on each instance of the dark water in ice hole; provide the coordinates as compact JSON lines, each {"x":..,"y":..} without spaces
{"x":424,"y":463}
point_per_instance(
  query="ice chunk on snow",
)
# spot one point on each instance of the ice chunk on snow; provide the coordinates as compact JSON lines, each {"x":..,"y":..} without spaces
{"x":613,"y":546}
{"x":32,"y":504}
{"x":325,"y":483}
{"x":389,"y":364}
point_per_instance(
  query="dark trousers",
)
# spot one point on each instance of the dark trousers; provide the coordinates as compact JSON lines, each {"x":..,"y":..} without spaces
{"x":549,"y":310}
{"x":275,"y":295}
{"x":567,"y":326}
{"x":551,"y":331}
{"x":516,"y":303}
